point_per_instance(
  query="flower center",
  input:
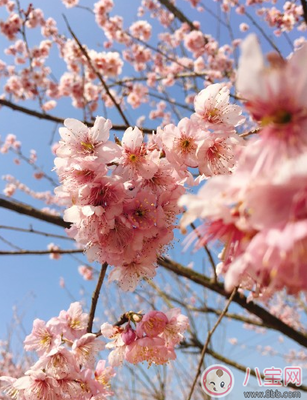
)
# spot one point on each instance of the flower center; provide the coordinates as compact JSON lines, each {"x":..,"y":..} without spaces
{"x":280,"y":117}
{"x":133,"y":158}
{"x":89,"y":147}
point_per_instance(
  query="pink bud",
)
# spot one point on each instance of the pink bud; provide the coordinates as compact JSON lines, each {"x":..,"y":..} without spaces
{"x":128,"y":335}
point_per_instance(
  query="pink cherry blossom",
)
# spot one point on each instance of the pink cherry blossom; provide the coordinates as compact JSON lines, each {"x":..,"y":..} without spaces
{"x":70,"y":3}
{"x":180,"y":142}
{"x":129,"y":274}
{"x":86,"y":142}
{"x":37,"y":384}
{"x":41,"y":338}
{"x":213,"y":110}
{"x":276,"y":101}
{"x":151,"y":350}
{"x":135,"y":160}
{"x":72,"y":322}
{"x":104,"y":374}
{"x":86,"y":348}
{"x":153,"y":323}
{"x":176,"y":325}
{"x":216,"y":154}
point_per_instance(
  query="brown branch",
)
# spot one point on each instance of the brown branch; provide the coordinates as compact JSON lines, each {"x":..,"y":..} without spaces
{"x":158,"y":78}
{"x":122,"y":320}
{"x":304,"y":5}
{"x":177,"y":13}
{"x":157,"y":50}
{"x":210,"y":333}
{"x":33,"y":113}
{"x":31,"y":230}
{"x":268,"y":319}
{"x":254,"y":131}
{"x":26,"y":209}
{"x":38,"y":252}
{"x":58,"y":120}
{"x":212,"y":263}
{"x":95,"y":296}
{"x":269,"y":40}
{"x":99,"y":76}
{"x":205,"y":310}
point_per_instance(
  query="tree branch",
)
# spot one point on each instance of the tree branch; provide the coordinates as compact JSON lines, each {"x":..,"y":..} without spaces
{"x":38,"y":252}
{"x":95,"y":296}
{"x":210,"y":333}
{"x":177,"y":13}
{"x":31,"y":230}
{"x":158,"y":78}
{"x":204,"y":309}
{"x":99,"y":76}
{"x":26,"y":209}
{"x":58,"y":120}
{"x":304,"y":5}
{"x":269,"y":320}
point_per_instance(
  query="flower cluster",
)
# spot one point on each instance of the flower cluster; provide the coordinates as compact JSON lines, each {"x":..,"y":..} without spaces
{"x":122,"y":197}
{"x":208,"y":140}
{"x":66,"y":368}
{"x":260,"y":211}
{"x":66,"y":365}
{"x":153,"y":339}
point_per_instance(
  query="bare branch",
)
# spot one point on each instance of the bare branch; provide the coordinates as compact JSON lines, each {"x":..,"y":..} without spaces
{"x":38,"y":252}
{"x":58,"y":120}
{"x":99,"y":76}
{"x":304,"y":5}
{"x":206,"y":310}
{"x":177,"y":13}
{"x":269,"y":319}
{"x":210,"y":333}
{"x":269,"y":40}
{"x":95,"y":296}
{"x":158,"y":78}
{"x":212,"y":263}
{"x":31,"y":230}
{"x":26,"y":209}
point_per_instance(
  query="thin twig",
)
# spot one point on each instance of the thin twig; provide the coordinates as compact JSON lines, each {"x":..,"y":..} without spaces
{"x":206,"y":310}
{"x":269,"y":40}
{"x":10,"y":243}
{"x":38,"y":252}
{"x":95,"y":296}
{"x":31,"y":230}
{"x":99,"y":76}
{"x":270,"y":320}
{"x":177,"y":13}
{"x":210,"y":333}
{"x":212,"y":263}
{"x":158,"y":78}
